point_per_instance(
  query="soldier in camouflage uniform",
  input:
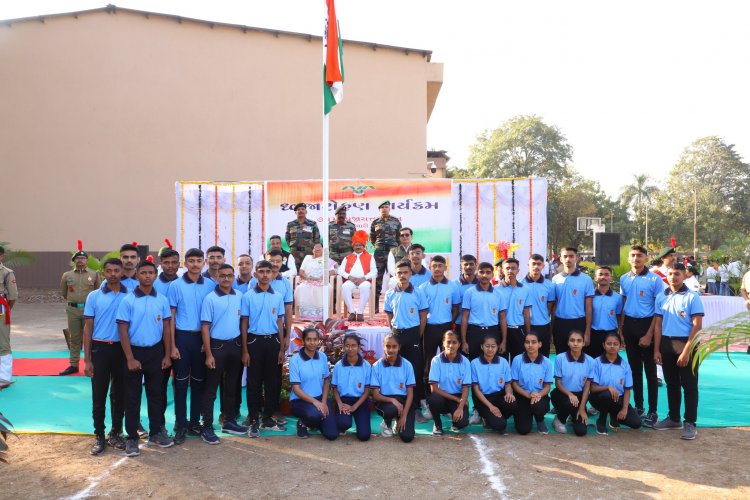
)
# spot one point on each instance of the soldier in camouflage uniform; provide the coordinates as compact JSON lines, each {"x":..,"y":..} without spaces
{"x":301,"y":234}
{"x":75,"y":286}
{"x":8,"y":297}
{"x":384,"y":236}
{"x":340,"y":235}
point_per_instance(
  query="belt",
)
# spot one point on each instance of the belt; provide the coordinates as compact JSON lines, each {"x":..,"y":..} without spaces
{"x":264,"y":335}
{"x":517,"y":327}
{"x":404,"y":330}
{"x":110,"y":342}
{"x":483,"y":327}
{"x":177,"y":330}
{"x":684,"y":339}
{"x":76,"y":304}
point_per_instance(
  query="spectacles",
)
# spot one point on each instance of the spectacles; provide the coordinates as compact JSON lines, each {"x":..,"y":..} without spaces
{"x":406,"y":235}
{"x":226,"y":276}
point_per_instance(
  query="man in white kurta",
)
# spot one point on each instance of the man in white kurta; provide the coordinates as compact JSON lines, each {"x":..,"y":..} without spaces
{"x":357,"y":268}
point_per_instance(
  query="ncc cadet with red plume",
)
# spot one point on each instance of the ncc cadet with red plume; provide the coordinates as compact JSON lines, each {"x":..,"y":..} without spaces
{"x":8,"y":297}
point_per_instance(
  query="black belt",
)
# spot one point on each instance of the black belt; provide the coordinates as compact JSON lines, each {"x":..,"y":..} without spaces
{"x":514,"y":327}
{"x":483,"y":327}
{"x":264,"y":335}
{"x":76,"y":304}
{"x":399,"y":331}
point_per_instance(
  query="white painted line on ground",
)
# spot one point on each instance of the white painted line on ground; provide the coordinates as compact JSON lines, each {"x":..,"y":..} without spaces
{"x":86,"y":492}
{"x":489,"y":468}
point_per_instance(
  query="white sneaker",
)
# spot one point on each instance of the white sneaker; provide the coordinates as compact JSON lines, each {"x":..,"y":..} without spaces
{"x":385,"y":430}
{"x":559,"y":426}
{"x":426,"y":413}
{"x":475,"y":418}
{"x":593,"y":412}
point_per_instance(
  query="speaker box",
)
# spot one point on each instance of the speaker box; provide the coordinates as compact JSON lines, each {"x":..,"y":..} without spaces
{"x":607,"y":249}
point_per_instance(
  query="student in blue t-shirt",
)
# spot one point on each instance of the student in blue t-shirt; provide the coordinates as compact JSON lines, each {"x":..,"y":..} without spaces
{"x":310,"y":379}
{"x":169,"y":261}
{"x":542,"y":299}
{"x":531,"y":374}
{"x":450,"y":380}
{"x":419,"y":273}
{"x":574,"y":291}
{"x":573,"y":372}
{"x":678,"y":318}
{"x":518,"y":315}
{"x":351,"y":388}
{"x":607,"y":312}
{"x":244,"y":273}
{"x":468,"y":277}
{"x":611,"y":384}
{"x":392,"y":385}
{"x":493,"y":392}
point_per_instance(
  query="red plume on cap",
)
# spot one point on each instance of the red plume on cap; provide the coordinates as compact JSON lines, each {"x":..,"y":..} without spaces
{"x":150,"y":258}
{"x":134,"y":243}
{"x":80,"y":245}
{"x":673,"y":242}
{"x":169,"y":243}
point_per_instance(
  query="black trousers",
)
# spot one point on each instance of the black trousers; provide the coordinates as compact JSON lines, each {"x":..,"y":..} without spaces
{"x":525,"y":411}
{"x":237,"y":394}
{"x":596,"y":342}
{"x":411,"y":349}
{"x":262,"y":375}
{"x":440,"y":405}
{"x":561,"y":402}
{"x":109,"y":375}
{"x":516,"y":337}
{"x":679,"y":379}
{"x":164,"y":386}
{"x":563,"y":328}
{"x":228,"y":358}
{"x":603,"y":402}
{"x":150,"y":359}
{"x":432,"y":341}
{"x":507,"y":409}
{"x":641,"y":359}
{"x":545,"y":337}
{"x":390,"y":413}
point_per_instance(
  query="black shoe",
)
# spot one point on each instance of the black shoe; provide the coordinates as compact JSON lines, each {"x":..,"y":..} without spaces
{"x":601,"y":426}
{"x":99,"y":445}
{"x":116,"y":440}
{"x":180,"y":434}
{"x":131,"y":448}
{"x":302,"y":430}
{"x":252,"y":429}
{"x":194,"y":430}
{"x":69,"y":371}
{"x":247,"y":421}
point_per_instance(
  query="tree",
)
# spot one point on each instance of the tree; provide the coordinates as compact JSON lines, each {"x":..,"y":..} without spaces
{"x":636,"y":197}
{"x":577,"y":198}
{"x":523,"y":146}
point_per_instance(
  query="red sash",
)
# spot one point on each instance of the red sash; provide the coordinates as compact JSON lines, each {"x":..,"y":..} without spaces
{"x":6,"y":308}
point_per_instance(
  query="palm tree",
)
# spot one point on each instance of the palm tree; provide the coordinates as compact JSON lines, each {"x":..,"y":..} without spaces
{"x":16,"y":258}
{"x":638,"y":194}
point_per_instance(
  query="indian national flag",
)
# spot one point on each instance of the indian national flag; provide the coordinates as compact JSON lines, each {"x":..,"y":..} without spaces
{"x":333,"y":63}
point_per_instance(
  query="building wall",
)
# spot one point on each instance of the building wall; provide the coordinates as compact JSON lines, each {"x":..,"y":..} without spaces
{"x":104,"y":112}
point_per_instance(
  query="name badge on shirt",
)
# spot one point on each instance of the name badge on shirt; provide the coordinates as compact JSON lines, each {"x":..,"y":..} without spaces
{"x":346,"y":231}
{"x":307,"y":229}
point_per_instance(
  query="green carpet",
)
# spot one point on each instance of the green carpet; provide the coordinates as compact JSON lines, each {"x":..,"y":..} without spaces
{"x":63,"y":404}
{"x":63,"y":353}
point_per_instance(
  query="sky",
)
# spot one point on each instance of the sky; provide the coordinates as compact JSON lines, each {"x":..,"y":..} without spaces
{"x":629,"y":84}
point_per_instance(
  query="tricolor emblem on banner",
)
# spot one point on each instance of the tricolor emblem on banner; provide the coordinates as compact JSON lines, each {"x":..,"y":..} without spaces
{"x":333,"y":61}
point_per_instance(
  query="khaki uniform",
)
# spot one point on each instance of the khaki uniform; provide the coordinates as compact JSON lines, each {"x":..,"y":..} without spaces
{"x":301,"y":238}
{"x":384,"y":236}
{"x":9,"y":291}
{"x":340,"y":240}
{"x":75,"y":286}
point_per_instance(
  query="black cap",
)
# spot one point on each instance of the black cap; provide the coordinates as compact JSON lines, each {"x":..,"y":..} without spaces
{"x":666,"y":251}
{"x":342,"y":208}
{"x":386,"y":203}
{"x":300,"y":205}
{"x":79,"y":253}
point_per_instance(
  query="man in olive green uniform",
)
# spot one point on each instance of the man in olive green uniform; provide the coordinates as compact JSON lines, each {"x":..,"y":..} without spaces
{"x":75,"y":286}
{"x":384,"y":236}
{"x":8,"y":297}
{"x":340,"y":235}
{"x":301,"y":234}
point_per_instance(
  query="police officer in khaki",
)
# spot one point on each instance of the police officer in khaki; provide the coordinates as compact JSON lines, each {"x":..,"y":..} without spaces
{"x":8,"y":297}
{"x":384,"y":236}
{"x":340,"y":234}
{"x":75,"y":286}
{"x":301,"y":234}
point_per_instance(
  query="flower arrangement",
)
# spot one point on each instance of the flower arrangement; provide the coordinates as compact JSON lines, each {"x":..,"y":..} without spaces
{"x":503,"y":249}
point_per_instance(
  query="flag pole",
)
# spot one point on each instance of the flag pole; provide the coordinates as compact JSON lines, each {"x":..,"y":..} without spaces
{"x":324,"y":207}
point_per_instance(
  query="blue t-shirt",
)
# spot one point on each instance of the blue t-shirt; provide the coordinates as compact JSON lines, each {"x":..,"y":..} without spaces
{"x":145,"y":316}
{"x":492,"y":376}
{"x":441,"y":297}
{"x":162,"y":284}
{"x":352,"y":380}
{"x":207,"y":276}
{"x":423,"y":276}
{"x":308,"y":373}
{"x":677,"y":310}
{"x":405,"y":306}
{"x":129,"y":283}
{"x":186,"y":297}
{"x":242,"y":286}
{"x":392,"y":379}
{"x":541,"y":293}
{"x":640,"y":291}
{"x":573,"y":373}
{"x":484,"y":306}
{"x":102,"y":306}
{"x":221,"y":311}
{"x":518,"y":300}
{"x":606,"y":308}
{"x":464,"y":285}
{"x":450,"y":376}
{"x":616,"y":374}
{"x":262,"y":308}
{"x":571,"y":291}
{"x":531,"y":375}
{"x":280,"y":285}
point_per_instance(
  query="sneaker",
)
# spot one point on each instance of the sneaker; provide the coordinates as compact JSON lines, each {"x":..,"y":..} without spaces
{"x":641,"y":413}
{"x":116,"y":440}
{"x":180,"y":435}
{"x":142,"y":434}
{"x":437,"y":431}
{"x":385,"y":430}
{"x":419,"y":418}
{"x":667,"y":423}
{"x":162,"y":440}
{"x":232,"y":427}
{"x":280,"y":419}
{"x":650,"y":419}
{"x":99,"y":445}
{"x":131,"y":448}
{"x":559,"y":426}
{"x":302,"y":432}
{"x":601,"y":426}
{"x":475,"y":418}
{"x":689,"y":431}
{"x":247,"y":421}
{"x":252,"y":430}
{"x":614,"y":424}
{"x":591,"y":411}
{"x":426,"y":413}
{"x":541,"y":427}
{"x":659,"y":382}
{"x":270,"y":424}
{"x":194,"y":430}
{"x":209,"y":436}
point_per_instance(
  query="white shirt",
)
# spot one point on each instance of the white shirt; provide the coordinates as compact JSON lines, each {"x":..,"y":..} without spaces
{"x":711,"y":274}
{"x":290,"y":263}
{"x":746,"y":282}
{"x":357,"y":271}
{"x":693,"y":284}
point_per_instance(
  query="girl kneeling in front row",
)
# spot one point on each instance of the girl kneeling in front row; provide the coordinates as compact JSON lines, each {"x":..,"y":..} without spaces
{"x":351,"y":388}
{"x":573,"y":372}
{"x":493,"y":393}
{"x":531,"y":374}
{"x":393,"y":390}
{"x":610,"y":388}
{"x":450,"y":379}
{"x":310,"y":380}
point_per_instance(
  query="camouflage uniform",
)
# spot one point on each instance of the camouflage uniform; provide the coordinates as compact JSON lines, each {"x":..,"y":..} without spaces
{"x":301,"y":238}
{"x":75,"y":286}
{"x":340,"y":240}
{"x":384,"y":236}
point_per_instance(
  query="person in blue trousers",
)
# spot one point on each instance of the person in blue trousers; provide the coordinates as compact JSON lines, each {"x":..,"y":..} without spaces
{"x":351,"y":389}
